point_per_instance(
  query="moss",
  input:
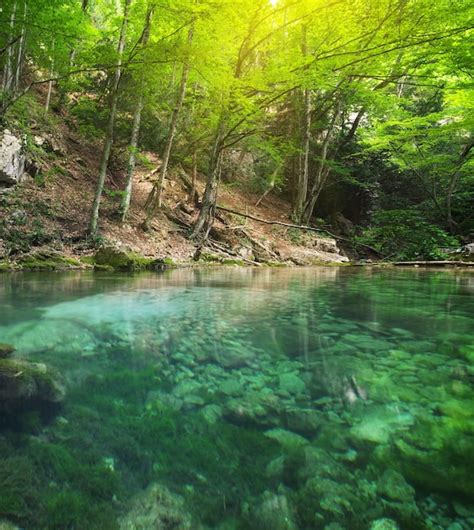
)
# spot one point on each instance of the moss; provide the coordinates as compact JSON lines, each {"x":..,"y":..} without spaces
{"x":72,"y":509}
{"x":4,"y":266}
{"x":87,"y":260}
{"x":6,"y":350}
{"x":121,"y":260}
{"x":18,"y":488}
{"x":209,"y":258}
{"x":47,"y":261}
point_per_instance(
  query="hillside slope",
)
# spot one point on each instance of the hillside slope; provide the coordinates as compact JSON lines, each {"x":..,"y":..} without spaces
{"x":49,"y":210}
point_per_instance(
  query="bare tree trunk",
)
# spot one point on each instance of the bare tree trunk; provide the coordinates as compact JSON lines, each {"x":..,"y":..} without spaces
{"x":132,"y":158}
{"x":50,"y":84}
{"x":192,"y":193}
{"x":8,"y":71}
{"x":206,"y":215}
{"x":109,"y":138}
{"x":155,"y":200}
{"x":303,"y":174}
{"x":464,"y":157}
{"x":136,"y":126}
{"x":322,"y":172}
{"x":21,"y":51}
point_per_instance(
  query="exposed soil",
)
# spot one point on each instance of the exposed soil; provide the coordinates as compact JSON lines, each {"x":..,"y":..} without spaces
{"x":60,"y":204}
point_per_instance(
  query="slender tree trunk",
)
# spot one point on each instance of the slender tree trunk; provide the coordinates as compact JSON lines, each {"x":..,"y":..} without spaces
{"x":8,"y":71}
{"x":155,"y":199}
{"x":464,"y":157}
{"x":21,"y":50}
{"x":206,"y":215}
{"x":132,"y":157}
{"x":50,"y":84}
{"x":303,"y":174}
{"x":192,"y":193}
{"x":109,"y":138}
{"x":322,"y":172}
{"x":136,"y":126}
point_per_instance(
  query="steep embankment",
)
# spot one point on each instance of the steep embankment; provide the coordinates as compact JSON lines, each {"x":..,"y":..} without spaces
{"x":45,"y":216}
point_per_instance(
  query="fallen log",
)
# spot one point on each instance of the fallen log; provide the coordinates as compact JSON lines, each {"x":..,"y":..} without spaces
{"x":445,"y":263}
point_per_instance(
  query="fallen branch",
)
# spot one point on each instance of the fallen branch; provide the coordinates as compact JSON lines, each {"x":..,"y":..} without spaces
{"x":434,"y":263}
{"x":298,"y":227}
{"x":216,"y":247}
{"x":280,"y":223}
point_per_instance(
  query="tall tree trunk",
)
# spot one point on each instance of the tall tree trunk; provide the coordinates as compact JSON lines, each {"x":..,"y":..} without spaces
{"x":322,"y":171}
{"x":109,"y":138}
{"x":155,"y":198}
{"x":50,"y":84}
{"x":21,"y":50}
{"x":205,"y":219}
{"x":464,"y":157}
{"x":303,"y":174}
{"x":8,"y":69}
{"x":136,"y":126}
{"x":127,"y":197}
{"x":193,"y":192}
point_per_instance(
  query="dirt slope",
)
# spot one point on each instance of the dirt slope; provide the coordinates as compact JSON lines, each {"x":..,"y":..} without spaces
{"x":51,"y":210}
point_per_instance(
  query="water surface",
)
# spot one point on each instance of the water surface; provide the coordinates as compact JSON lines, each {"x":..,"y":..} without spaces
{"x":324,"y":398}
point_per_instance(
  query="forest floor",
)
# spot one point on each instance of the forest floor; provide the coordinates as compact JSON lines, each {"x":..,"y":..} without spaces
{"x":50,"y":211}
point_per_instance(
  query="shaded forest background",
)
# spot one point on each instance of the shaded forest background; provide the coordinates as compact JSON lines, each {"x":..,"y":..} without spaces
{"x":357,"y":114}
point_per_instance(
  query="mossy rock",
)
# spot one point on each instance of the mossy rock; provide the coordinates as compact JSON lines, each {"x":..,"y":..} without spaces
{"x":6,"y":350}
{"x":47,"y":260}
{"x":4,"y":266}
{"x":107,"y":258}
{"x":22,"y":382}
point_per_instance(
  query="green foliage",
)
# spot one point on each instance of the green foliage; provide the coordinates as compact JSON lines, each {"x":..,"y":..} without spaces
{"x":405,"y":235}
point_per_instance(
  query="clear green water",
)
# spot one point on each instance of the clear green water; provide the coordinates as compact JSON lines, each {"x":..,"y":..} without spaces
{"x":243,"y":399}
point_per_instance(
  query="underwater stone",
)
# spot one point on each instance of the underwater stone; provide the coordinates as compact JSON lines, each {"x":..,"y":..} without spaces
{"x":186,"y":387}
{"x":304,"y":421}
{"x":379,"y":423}
{"x":273,"y":513}
{"x":455,"y":526}
{"x":211,"y":414}
{"x":287,"y":439}
{"x":158,"y":509}
{"x":394,"y":486}
{"x":231,"y":387}
{"x":291,"y":384}
{"x":384,"y":524}
{"x":5,"y":525}
{"x":6,"y":350}
{"x":22,"y":381}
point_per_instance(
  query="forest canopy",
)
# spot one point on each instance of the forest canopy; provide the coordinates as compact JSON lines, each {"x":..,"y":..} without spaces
{"x":359,"y":112}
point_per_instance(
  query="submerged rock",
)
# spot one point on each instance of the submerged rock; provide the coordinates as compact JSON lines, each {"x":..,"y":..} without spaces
{"x":393,"y":486}
{"x":378,"y":424}
{"x":158,"y":509}
{"x":287,"y":439}
{"x":5,"y":525}
{"x":6,"y":350}
{"x":291,"y":384}
{"x":22,"y":382}
{"x":384,"y":524}
{"x":273,"y":513}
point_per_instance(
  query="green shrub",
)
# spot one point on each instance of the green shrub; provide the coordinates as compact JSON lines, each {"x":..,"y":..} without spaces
{"x":405,"y":235}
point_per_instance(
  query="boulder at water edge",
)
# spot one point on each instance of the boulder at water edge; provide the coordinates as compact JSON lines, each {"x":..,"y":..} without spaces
{"x":12,"y":159}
